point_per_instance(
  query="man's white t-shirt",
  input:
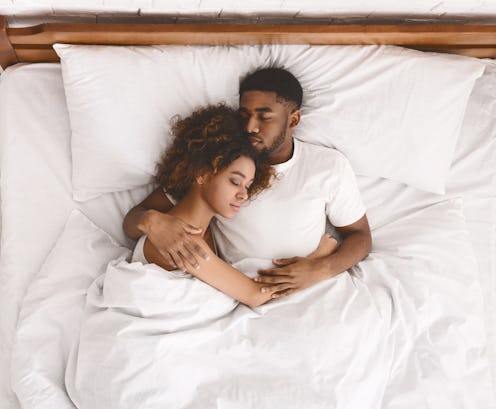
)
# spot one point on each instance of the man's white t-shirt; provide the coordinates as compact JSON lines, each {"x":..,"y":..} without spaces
{"x":289,"y":218}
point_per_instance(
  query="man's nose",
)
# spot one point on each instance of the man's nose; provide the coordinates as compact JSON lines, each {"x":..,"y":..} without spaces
{"x":252,"y":125}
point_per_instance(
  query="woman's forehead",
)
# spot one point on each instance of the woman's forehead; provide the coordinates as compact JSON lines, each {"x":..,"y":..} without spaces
{"x":243,"y":166}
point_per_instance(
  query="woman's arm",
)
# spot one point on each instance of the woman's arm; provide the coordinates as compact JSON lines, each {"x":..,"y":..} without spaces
{"x":218,"y":274}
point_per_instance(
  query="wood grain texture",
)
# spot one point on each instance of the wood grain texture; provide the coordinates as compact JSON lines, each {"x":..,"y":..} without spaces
{"x":34,"y":43}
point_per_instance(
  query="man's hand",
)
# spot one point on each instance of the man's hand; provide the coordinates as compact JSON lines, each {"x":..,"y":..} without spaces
{"x":172,"y":238}
{"x":296,"y":273}
{"x":290,"y":275}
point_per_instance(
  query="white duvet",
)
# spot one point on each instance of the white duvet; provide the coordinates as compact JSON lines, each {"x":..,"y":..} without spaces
{"x":154,"y":339}
{"x":403,"y":329}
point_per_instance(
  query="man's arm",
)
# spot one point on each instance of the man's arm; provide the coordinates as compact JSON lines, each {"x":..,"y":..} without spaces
{"x":139,"y":217}
{"x":168,"y":234}
{"x":297,"y":273}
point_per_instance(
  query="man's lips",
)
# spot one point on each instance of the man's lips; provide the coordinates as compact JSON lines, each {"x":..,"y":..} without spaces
{"x":235,"y":206}
{"x":254,"y":141}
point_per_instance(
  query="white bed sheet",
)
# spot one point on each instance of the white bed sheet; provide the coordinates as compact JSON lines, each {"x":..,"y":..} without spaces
{"x":36,"y":190}
{"x":31,"y":227}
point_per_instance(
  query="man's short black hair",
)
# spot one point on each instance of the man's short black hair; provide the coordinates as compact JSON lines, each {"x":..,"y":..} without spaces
{"x":277,"y":80}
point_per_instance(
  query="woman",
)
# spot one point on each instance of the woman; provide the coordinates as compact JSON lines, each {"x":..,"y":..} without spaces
{"x":211,"y":169}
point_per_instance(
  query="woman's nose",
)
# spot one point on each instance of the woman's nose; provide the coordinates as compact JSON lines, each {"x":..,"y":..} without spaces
{"x":242,"y":194}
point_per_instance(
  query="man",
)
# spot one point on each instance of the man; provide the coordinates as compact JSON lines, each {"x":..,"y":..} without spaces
{"x":284,"y":222}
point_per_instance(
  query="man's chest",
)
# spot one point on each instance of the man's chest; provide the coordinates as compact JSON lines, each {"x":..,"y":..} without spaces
{"x":282,"y":222}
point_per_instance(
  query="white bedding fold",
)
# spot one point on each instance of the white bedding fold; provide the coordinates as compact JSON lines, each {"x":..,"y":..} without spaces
{"x":157,"y":339}
{"x":391,"y":333}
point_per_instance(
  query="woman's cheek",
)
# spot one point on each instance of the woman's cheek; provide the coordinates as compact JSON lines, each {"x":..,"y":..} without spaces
{"x":220,"y":197}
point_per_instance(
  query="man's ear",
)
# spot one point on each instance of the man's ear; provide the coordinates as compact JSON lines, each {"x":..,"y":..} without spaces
{"x":294,"y":118}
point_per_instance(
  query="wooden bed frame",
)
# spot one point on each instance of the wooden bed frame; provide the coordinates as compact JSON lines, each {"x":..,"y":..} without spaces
{"x":34,"y":44}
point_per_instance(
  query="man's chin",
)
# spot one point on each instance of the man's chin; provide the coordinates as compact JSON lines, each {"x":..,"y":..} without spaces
{"x":260,"y":148}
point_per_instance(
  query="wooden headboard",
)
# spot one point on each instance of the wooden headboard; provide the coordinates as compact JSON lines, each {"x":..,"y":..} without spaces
{"x":34,"y":44}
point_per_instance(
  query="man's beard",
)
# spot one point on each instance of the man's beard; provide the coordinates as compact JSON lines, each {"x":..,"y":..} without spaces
{"x":277,"y":142}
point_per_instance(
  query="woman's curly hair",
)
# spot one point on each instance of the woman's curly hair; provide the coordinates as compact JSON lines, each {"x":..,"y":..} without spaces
{"x":210,"y":139}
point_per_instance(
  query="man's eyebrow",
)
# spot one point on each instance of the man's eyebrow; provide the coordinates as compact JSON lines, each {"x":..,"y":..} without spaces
{"x":261,"y":109}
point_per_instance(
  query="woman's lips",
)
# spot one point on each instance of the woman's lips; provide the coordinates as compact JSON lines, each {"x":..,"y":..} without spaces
{"x":236,"y":207}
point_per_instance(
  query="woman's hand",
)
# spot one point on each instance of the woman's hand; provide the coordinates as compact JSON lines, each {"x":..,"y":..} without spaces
{"x":172,"y":239}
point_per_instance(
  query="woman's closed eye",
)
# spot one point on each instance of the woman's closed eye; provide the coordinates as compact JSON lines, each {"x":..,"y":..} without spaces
{"x":237,"y":183}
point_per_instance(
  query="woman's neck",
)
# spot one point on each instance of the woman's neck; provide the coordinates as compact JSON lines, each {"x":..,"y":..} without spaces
{"x":193,"y":210}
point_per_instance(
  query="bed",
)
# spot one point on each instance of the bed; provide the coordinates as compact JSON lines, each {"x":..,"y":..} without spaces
{"x":413,"y":325}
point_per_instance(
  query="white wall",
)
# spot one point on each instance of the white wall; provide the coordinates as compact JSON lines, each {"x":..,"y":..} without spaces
{"x":25,"y":12}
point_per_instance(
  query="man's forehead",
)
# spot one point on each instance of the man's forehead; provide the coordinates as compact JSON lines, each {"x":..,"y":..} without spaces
{"x":263,"y":101}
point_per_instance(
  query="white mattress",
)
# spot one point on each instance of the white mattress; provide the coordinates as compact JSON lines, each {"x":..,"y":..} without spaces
{"x":36,"y":198}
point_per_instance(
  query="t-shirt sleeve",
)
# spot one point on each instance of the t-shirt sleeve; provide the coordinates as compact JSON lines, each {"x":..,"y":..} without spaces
{"x":345,"y":205}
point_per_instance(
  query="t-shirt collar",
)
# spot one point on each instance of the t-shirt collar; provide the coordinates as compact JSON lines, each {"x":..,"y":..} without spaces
{"x":282,"y":167}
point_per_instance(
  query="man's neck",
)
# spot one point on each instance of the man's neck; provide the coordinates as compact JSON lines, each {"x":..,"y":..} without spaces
{"x":282,"y":155}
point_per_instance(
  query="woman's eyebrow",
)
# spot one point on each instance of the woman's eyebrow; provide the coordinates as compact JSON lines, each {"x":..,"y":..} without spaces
{"x":237,"y":172}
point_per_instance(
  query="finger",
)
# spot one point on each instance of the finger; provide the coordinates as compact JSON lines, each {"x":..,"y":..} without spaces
{"x":283,"y":293}
{"x":268,"y":272}
{"x":168,"y":259}
{"x":188,"y":228}
{"x":272,"y":279}
{"x":197,"y":250}
{"x":178,"y":261}
{"x":285,"y":261}
{"x":186,"y":261}
{"x":188,"y":256}
{"x":276,"y":288}
{"x":276,"y":272}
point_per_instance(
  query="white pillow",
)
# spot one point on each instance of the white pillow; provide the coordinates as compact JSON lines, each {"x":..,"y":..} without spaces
{"x":473,"y":169}
{"x":394,"y":112}
{"x":121,"y":101}
{"x":52,"y":311}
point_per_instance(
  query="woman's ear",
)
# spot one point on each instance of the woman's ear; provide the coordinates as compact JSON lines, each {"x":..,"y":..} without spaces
{"x":202,"y":178}
{"x":294,"y":118}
